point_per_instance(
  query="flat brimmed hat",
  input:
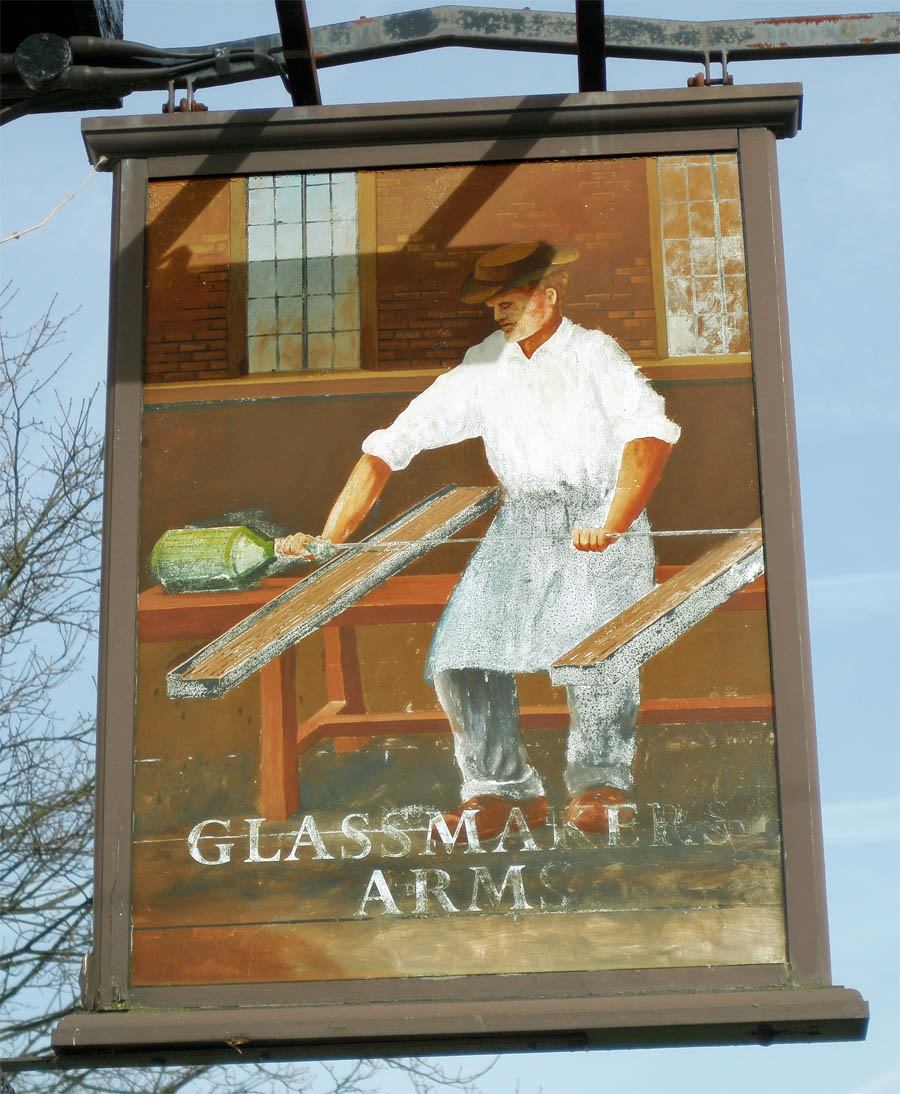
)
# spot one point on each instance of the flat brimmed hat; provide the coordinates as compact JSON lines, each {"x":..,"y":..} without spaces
{"x":512,"y":266}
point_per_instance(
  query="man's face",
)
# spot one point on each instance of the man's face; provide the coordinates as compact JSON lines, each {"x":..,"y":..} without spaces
{"x":521,"y":312}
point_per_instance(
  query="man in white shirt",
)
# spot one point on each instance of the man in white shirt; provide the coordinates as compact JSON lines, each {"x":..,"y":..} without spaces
{"x":578,"y":440}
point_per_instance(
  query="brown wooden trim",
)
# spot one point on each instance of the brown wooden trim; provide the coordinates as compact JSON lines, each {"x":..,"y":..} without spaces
{"x":350,"y":158}
{"x":237,"y":284}
{"x":804,"y":876}
{"x":656,"y":258}
{"x":107,"y":967}
{"x":701,"y":1018}
{"x":397,"y":127}
{"x":368,"y":268}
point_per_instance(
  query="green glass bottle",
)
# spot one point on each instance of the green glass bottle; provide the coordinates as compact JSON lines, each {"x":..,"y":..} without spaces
{"x":207,"y":559}
{"x":204,"y":560}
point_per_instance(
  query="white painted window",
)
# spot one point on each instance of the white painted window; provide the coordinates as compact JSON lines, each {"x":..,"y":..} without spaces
{"x":302,"y":272}
{"x":703,"y":256}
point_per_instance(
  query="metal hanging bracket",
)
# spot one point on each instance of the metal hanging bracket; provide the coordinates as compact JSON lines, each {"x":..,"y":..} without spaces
{"x":187,"y":105}
{"x":705,"y":78}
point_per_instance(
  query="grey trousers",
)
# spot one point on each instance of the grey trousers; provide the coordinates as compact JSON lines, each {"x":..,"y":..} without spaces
{"x":483,"y":709}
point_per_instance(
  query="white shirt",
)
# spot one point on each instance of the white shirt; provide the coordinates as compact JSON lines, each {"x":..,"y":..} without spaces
{"x":559,"y":419}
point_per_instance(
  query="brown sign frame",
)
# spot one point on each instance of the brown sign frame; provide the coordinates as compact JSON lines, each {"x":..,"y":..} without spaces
{"x":712,"y":1005}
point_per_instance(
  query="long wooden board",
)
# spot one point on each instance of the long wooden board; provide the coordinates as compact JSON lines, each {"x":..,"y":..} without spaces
{"x":460,"y":945}
{"x":319,"y":598}
{"x":655,"y":621}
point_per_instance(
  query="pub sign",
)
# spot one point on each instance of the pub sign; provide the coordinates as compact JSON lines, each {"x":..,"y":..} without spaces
{"x":455,"y":682}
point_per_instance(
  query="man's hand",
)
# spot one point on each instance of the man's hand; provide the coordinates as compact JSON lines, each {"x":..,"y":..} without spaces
{"x":592,"y":539}
{"x":295,"y":546}
{"x":642,"y":465}
{"x":309,"y":548}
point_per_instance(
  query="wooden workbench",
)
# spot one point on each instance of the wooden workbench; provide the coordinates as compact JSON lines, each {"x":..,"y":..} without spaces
{"x":168,"y":617}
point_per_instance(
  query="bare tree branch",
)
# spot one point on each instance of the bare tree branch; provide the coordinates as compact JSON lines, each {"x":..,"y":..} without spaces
{"x":50,"y":491}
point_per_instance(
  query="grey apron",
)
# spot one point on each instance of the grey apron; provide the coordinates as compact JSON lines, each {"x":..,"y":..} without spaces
{"x":528,"y":596}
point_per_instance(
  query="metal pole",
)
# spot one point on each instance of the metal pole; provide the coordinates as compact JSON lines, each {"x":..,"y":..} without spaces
{"x":590,"y":34}
{"x":299,"y":60}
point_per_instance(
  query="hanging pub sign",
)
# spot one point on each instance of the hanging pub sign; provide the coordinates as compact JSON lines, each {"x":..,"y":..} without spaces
{"x":455,"y":687}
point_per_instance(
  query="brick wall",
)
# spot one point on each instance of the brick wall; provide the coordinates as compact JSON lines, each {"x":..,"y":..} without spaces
{"x":195,"y":299}
{"x":432,"y":225}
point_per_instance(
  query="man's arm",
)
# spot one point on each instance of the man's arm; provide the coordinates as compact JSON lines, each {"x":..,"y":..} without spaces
{"x":642,"y":466}
{"x":360,"y":492}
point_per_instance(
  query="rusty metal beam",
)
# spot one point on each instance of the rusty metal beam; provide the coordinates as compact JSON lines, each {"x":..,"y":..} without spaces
{"x":626,"y":36}
{"x":113,"y":67}
{"x":590,"y":37}
{"x":296,"y":46}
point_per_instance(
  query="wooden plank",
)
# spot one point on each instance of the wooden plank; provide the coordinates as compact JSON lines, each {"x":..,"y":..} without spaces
{"x":750,"y":598}
{"x":319,"y":598}
{"x":458,"y":945}
{"x":656,"y":620}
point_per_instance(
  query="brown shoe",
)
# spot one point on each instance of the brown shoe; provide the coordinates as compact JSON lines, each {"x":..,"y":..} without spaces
{"x":589,"y":810}
{"x":493,"y":813}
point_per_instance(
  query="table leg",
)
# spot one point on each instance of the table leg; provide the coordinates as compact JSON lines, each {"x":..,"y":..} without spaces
{"x":279,"y":777}
{"x":343,"y":680}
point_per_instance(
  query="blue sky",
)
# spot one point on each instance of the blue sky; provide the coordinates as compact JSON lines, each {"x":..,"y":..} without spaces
{"x":840,"y":209}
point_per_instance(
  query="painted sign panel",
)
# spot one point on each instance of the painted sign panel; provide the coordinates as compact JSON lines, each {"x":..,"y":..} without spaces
{"x":453,"y":651}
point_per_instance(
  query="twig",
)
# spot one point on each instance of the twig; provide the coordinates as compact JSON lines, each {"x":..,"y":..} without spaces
{"x":56,"y":208}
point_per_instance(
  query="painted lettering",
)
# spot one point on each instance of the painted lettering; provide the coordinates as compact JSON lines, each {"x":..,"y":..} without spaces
{"x":223,"y":849}
{"x":391,"y":831}
{"x":617,"y":825}
{"x":308,"y":836}
{"x":378,"y":889}
{"x":516,"y":822}
{"x":663,"y":827}
{"x":437,"y":824}
{"x":254,"y":825}
{"x":432,"y":883}
{"x":356,"y":836}
{"x":513,"y":878}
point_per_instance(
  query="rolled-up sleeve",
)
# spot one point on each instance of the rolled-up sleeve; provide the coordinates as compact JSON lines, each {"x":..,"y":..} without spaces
{"x":445,"y":413}
{"x":637,"y":410}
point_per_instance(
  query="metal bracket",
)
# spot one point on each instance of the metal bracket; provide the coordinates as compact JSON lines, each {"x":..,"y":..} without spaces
{"x":705,"y":78}
{"x":188,"y":104}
